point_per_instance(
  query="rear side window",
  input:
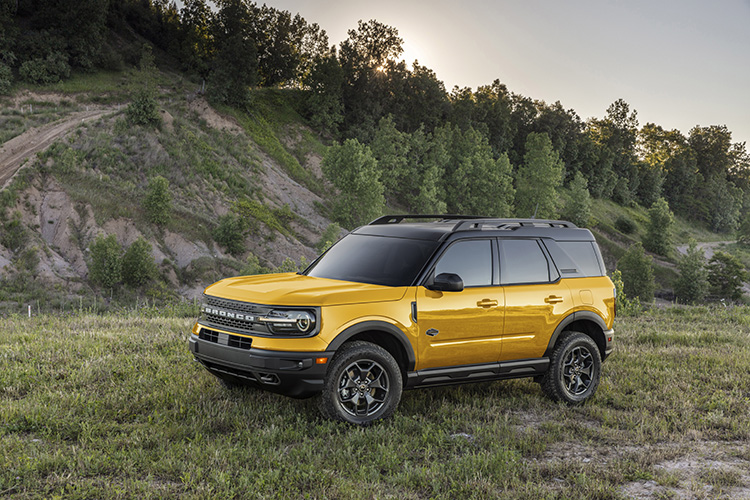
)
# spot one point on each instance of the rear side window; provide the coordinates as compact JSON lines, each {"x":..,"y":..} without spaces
{"x":576,"y":258}
{"x":523,"y":261}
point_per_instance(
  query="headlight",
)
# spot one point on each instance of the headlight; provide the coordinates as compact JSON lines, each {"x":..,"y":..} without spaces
{"x":292,"y":322}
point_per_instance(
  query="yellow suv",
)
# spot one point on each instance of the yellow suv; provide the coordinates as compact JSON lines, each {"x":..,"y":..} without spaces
{"x":402,"y":303}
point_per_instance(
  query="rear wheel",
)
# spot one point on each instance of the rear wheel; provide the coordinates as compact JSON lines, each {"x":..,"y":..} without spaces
{"x":575,"y":369}
{"x":363,"y":384}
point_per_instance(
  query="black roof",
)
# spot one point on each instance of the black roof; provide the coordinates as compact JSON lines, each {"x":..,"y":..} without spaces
{"x":446,"y":225}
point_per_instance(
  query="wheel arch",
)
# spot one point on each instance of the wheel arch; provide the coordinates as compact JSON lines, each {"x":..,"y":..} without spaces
{"x":586,"y":322}
{"x":383,"y":334}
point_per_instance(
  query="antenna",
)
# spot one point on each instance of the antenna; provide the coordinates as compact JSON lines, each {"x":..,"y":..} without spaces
{"x":535,"y":210}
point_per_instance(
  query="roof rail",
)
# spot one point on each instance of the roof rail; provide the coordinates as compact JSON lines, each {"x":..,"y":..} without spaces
{"x":395,"y":219}
{"x":466,"y":225}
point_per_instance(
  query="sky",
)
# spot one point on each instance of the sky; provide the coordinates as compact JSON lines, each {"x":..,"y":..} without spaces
{"x":678,"y":63}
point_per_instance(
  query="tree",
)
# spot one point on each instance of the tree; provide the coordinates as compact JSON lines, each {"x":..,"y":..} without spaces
{"x":743,"y":233}
{"x":325,"y":80}
{"x":726,"y":274}
{"x":230,"y":233}
{"x":658,"y":237}
{"x":637,"y":273}
{"x":692,"y":285}
{"x":105,"y":268}
{"x":353,"y":170}
{"x":235,"y":66}
{"x":142,"y":109}
{"x":158,"y":202}
{"x":138,"y":265}
{"x":538,"y":178}
{"x":579,"y":208}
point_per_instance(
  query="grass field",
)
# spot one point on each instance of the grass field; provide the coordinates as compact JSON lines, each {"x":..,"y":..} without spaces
{"x":114,"y":407}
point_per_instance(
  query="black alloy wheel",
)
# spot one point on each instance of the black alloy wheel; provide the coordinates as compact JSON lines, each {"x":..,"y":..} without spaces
{"x":574,"y":370}
{"x":363,"y":384}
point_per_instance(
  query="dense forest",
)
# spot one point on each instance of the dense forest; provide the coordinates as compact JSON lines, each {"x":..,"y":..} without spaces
{"x":405,"y":140}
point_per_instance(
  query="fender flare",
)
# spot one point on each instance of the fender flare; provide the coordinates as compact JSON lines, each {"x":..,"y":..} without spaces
{"x":576,"y":316}
{"x":378,"y":326}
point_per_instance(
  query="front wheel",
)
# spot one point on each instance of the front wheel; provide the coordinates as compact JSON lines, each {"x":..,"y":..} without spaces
{"x":363,"y":384}
{"x":574,"y":371}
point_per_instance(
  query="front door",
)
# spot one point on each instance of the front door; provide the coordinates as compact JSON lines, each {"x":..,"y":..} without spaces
{"x":461,"y":328}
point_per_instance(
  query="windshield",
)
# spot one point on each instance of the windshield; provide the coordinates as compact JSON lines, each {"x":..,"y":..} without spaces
{"x":378,"y":260}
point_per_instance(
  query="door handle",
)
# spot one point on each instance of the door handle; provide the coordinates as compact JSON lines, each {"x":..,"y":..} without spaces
{"x":487,"y":303}
{"x":432,"y":332}
{"x":553,"y":299}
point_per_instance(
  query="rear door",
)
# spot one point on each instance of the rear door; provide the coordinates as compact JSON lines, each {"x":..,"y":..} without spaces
{"x":460,"y":328}
{"x":536,"y":300}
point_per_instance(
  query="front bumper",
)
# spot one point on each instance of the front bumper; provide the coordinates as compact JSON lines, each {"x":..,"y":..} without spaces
{"x":294,"y":374}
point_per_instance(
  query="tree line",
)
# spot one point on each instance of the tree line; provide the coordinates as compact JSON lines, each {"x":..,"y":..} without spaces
{"x":411,"y":142}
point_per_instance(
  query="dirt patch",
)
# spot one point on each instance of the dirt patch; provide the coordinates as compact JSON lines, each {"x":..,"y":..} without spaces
{"x":214,"y":119}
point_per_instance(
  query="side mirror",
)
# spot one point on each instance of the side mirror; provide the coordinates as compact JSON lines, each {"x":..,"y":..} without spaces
{"x":447,"y":282}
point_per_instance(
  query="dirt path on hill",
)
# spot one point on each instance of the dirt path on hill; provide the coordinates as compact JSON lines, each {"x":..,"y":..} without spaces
{"x":708,"y":247}
{"x":17,"y":150}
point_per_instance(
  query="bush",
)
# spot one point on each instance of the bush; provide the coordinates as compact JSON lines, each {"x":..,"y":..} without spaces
{"x":637,"y":273}
{"x":138,"y":266}
{"x":50,"y":70}
{"x":13,"y":236}
{"x":158,"y":201}
{"x":625,"y":224}
{"x":230,"y":233}
{"x":624,"y":305}
{"x":143,"y":110}
{"x":726,"y":275}
{"x":658,"y":237}
{"x":692,"y":285}
{"x":106,"y":261}
{"x":6,"y":79}
{"x":329,"y":237}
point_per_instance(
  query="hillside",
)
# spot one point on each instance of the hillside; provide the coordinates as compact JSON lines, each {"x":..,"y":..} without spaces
{"x":85,"y":172}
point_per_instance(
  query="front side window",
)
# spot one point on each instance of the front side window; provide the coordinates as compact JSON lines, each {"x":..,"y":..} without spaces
{"x":522,"y":261}
{"x":470,"y":259}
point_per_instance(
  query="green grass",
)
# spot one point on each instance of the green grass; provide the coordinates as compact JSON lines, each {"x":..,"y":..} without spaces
{"x":114,"y":407}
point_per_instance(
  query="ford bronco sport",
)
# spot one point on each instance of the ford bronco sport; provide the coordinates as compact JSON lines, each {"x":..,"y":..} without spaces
{"x":398,"y":305}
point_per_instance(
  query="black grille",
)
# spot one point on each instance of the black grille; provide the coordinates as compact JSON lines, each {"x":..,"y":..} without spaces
{"x":234,"y":315}
{"x":237,"y":306}
{"x":232,"y":340}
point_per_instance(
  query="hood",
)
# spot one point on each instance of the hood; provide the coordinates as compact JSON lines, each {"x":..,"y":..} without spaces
{"x":291,"y":289}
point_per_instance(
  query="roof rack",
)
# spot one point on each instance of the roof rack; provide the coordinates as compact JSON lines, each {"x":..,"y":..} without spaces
{"x":395,"y":219}
{"x":491,"y":223}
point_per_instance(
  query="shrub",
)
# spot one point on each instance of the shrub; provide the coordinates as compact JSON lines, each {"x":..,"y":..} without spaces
{"x":143,"y":110}
{"x":329,"y":237}
{"x":13,"y":236}
{"x":50,"y":70}
{"x":726,"y":275}
{"x":637,"y":273}
{"x":625,"y":306}
{"x":138,"y":265}
{"x":658,"y":237}
{"x":230,"y":233}
{"x":6,"y":79}
{"x":158,"y":201}
{"x":106,"y":261}
{"x":625,"y":224}
{"x":692,"y":285}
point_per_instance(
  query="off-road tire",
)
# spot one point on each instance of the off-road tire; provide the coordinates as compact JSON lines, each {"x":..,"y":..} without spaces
{"x":363,"y":384}
{"x":574,"y":370}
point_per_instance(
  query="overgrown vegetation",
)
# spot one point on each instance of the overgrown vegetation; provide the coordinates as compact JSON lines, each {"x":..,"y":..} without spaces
{"x":88,"y":402}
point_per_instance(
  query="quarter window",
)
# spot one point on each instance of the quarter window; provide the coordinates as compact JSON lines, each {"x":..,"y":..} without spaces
{"x":470,"y":259}
{"x":522,"y":261}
